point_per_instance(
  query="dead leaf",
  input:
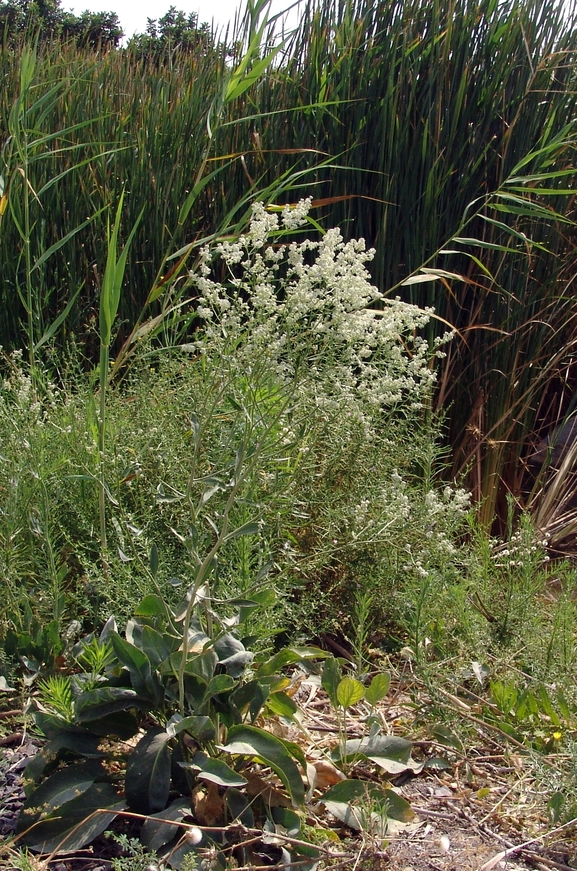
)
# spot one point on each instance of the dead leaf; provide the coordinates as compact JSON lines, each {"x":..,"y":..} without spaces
{"x":257,"y":785}
{"x":208,"y":805}
{"x":326,"y":774}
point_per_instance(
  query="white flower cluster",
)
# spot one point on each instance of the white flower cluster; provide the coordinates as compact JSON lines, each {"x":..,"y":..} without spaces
{"x":309,"y":311}
{"x":16,"y":391}
{"x":522,"y":548}
{"x":451,"y":500}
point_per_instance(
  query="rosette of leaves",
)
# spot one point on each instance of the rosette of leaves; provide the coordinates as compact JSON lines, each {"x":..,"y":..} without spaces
{"x":119,"y":736}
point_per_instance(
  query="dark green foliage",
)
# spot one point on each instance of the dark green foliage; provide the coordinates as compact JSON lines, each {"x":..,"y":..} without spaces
{"x":47,"y":21}
{"x":206,"y":738}
{"x":171,"y":36}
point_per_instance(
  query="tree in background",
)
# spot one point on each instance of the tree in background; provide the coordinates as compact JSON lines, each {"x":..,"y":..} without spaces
{"x":47,"y":19}
{"x":175,"y":31}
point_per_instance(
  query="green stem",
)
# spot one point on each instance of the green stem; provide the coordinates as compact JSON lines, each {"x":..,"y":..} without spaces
{"x":203,"y":572}
{"x":104,"y":354}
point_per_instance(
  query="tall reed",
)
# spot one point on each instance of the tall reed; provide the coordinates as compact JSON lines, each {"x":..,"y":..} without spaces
{"x":425,"y":107}
{"x":438,"y":103}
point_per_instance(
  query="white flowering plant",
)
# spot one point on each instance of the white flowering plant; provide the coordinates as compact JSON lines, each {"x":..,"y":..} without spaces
{"x":295,"y":341}
{"x":360,"y":373}
{"x":309,"y":309}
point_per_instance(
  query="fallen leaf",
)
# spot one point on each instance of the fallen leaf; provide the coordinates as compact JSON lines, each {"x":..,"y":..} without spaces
{"x":257,"y":785}
{"x":327,"y":774}
{"x":208,"y":805}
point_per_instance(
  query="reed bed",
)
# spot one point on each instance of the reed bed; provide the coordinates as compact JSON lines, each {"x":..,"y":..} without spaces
{"x":396,"y":117}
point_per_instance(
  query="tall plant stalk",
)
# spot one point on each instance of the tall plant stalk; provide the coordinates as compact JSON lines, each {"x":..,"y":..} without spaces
{"x":110,"y":293}
{"x":27,"y":147}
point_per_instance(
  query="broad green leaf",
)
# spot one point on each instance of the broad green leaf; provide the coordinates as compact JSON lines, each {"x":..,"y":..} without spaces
{"x":151,"y":606}
{"x":348,"y":814}
{"x":239,"y":807}
{"x":220,"y":683}
{"x":77,"y":823}
{"x":155,"y":833}
{"x":288,"y":820}
{"x":446,"y":736}
{"x":250,"y":528}
{"x":437,"y":763}
{"x":49,"y":754}
{"x":158,"y":646}
{"x":130,"y":656}
{"x":148,"y":773}
{"x":254,"y":742}
{"x":289,"y":656}
{"x":275,"y":683}
{"x":331,"y":677}
{"x":296,"y":751}
{"x":54,"y":726}
{"x":194,"y":691}
{"x":185,"y":854}
{"x":269,"y":595}
{"x":215,"y":770}
{"x":249,"y":696}
{"x":227,"y":645}
{"x":101,"y":702}
{"x":144,"y":680}
{"x":397,"y":807}
{"x":345,"y":791}
{"x":555,"y":808}
{"x":392,"y":766}
{"x":201,"y":728}
{"x":349,"y":692}
{"x":389,"y":746}
{"x":392,"y":754}
{"x":122,"y":725}
{"x":236,"y":665}
{"x":203,"y":665}
{"x":61,"y":787}
{"x":378,"y":688}
{"x":281,"y":705}
{"x":350,"y":800}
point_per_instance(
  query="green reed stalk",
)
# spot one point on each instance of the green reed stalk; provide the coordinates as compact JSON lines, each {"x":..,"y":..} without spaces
{"x":109,"y":302}
{"x":26,"y":148}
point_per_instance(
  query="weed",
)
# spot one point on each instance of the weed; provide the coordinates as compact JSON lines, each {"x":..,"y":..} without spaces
{"x":135,"y":858}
